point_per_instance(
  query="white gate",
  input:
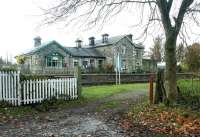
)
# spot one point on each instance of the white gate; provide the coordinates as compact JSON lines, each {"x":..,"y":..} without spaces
{"x":34,"y":91}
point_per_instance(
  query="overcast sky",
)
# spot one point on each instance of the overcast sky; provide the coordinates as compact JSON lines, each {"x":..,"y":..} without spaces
{"x":20,"y":18}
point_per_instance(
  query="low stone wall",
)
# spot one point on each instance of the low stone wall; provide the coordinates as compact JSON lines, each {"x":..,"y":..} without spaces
{"x":98,"y":79}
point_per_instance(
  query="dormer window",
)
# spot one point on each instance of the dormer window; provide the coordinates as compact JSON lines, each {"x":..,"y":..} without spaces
{"x":105,"y":38}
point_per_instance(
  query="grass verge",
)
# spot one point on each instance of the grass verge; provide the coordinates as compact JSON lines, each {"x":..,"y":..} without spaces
{"x":100,"y":92}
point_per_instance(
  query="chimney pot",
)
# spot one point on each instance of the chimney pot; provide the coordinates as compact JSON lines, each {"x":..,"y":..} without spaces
{"x":37,"y":41}
{"x":105,"y":38}
{"x":79,"y":43}
{"x":130,"y":36}
{"x":91,"y":41}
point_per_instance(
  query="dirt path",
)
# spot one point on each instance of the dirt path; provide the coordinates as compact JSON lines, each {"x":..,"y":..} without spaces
{"x":82,"y":121}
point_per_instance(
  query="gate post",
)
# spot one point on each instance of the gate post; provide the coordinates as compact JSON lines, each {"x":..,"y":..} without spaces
{"x":18,"y":88}
{"x":79,"y":84}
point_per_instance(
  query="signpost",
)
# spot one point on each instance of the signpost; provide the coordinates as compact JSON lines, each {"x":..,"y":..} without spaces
{"x":118,"y":69}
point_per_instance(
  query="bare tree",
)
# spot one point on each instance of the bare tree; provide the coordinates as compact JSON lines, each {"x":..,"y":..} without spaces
{"x":180,"y":52}
{"x":192,"y":58}
{"x":156,"y":51}
{"x":174,"y":17}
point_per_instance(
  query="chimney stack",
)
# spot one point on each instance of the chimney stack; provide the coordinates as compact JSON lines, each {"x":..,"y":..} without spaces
{"x":91,"y":41}
{"x":37,"y":41}
{"x":79,"y":43}
{"x":130,"y":36}
{"x":105,"y":38}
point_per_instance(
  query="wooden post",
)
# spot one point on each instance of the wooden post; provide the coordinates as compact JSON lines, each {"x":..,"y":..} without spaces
{"x":19,"y":88}
{"x":151,"y":89}
{"x":160,"y":93}
{"x":79,"y":84}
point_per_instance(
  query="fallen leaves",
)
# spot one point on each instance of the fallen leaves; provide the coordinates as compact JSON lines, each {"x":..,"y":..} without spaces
{"x":164,"y":120}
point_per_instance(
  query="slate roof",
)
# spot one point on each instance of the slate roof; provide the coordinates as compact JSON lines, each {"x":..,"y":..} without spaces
{"x":73,"y":51}
{"x":113,"y":40}
{"x":84,"y":52}
{"x":43,"y":45}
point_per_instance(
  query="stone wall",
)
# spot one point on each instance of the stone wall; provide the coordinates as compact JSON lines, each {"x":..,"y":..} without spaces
{"x":99,"y":79}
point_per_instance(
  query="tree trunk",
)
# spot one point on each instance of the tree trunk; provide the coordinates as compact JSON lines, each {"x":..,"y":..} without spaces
{"x":160,"y":93}
{"x":170,"y":73}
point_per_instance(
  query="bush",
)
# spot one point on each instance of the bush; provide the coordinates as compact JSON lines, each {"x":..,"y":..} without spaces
{"x":46,"y":105}
{"x":34,"y":77}
{"x":8,"y":69}
{"x":190,"y":93}
{"x":4,"y":104}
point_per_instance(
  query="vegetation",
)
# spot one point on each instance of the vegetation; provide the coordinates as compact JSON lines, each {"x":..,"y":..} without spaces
{"x":182,"y":119}
{"x":157,"y":52}
{"x":108,"y":105}
{"x":21,"y":59}
{"x":159,"y":119}
{"x":100,"y":92}
{"x":8,"y":69}
{"x":180,"y":52}
{"x":192,"y":57}
{"x":190,"y":93}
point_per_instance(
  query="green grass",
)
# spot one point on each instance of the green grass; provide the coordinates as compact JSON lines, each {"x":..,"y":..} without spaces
{"x":190,"y":92}
{"x":100,"y":92}
{"x":190,"y":87}
{"x":107,"y":105}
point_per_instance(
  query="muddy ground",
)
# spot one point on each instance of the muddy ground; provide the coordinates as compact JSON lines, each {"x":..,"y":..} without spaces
{"x":81,"y":121}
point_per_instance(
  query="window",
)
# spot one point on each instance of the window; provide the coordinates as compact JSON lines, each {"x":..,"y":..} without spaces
{"x":124,"y":64}
{"x":85,"y":64}
{"x":137,"y":54}
{"x":124,"y":50}
{"x":54,"y":60}
{"x":75,"y":63}
{"x":92,"y":63}
{"x":100,"y":63}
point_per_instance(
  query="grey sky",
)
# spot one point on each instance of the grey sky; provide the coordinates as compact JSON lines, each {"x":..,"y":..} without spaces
{"x":19,"y":19}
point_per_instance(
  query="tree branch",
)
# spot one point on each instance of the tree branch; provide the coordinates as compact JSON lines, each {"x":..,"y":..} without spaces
{"x":183,"y":9}
{"x":169,"y":5}
{"x":164,"y":11}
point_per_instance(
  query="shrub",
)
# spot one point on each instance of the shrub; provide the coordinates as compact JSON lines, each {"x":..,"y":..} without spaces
{"x":190,"y":93}
{"x":4,"y":104}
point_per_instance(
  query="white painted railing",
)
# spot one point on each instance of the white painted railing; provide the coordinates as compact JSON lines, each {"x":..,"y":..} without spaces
{"x":34,"y":91}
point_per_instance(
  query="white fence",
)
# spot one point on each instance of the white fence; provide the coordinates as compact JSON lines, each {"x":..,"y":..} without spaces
{"x":34,"y":91}
{"x":9,"y":87}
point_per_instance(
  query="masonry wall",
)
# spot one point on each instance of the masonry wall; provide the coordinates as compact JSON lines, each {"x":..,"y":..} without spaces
{"x":127,"y":52}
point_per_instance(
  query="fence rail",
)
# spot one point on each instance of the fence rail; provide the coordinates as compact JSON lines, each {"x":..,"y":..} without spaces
{"x":17,"y":92}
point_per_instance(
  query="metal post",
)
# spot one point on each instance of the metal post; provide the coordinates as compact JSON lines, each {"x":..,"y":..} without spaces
{"x":116,"y":75}
{"x":119,"y":77}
